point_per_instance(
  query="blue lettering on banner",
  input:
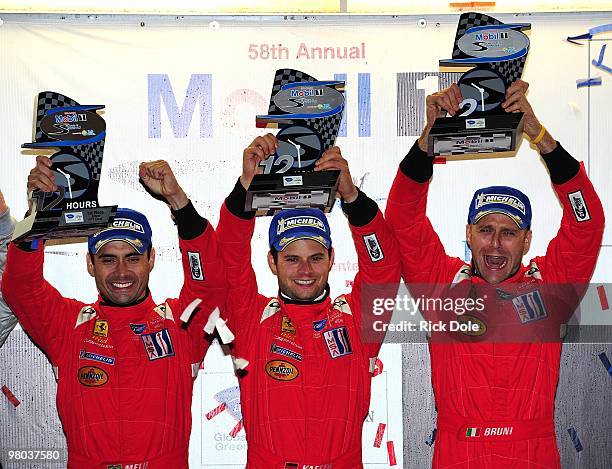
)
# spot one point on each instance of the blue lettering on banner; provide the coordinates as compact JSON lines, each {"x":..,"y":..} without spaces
{"x":338,"y":342}
{"x":364,"y":104}
{"x":158,"y":344}
{"x":96,"y":357}
{"x":364,"y":108}
{"x":342,"y":130}
{"x":199,"y":89}
{"x":530,"y":307}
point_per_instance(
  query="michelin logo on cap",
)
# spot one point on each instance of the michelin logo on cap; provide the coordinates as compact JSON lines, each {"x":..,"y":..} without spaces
{"x":285,"y":224}
{"x":486,"y":199}
{"x":126,"y":224}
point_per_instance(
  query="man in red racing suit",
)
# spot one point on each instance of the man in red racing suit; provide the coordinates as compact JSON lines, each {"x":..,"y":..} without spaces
{"x":306,"y":390}
{"x":495,"y":399}
{"x":125,"y":365}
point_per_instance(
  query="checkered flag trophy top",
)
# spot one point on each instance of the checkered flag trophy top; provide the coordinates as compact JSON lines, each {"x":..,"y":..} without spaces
{"x":493,"y":55}
{"x":308,"y":113}
{"x":78,"y":132}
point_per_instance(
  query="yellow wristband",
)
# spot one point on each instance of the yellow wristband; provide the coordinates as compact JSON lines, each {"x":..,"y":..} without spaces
{"x":540,"y":136}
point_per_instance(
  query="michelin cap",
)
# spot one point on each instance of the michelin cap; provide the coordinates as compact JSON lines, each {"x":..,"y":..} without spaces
{"x":299,"y":223}
{"x":129,"y":226}
{"x":501,"y":199}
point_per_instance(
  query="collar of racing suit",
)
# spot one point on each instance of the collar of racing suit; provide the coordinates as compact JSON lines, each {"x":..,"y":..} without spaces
{"x":319,"y":299}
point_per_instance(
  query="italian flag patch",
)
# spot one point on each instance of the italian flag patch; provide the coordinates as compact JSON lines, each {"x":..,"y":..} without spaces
{"x":472,"y":432}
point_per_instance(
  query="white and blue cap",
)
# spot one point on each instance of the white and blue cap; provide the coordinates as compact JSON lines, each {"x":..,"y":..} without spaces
{"x":501,"y":199}
{"x":290,"y":225}
{"x":129,"y":226}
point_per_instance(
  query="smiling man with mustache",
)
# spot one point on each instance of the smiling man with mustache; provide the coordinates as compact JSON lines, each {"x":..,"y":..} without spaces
{"x":125,"y":365}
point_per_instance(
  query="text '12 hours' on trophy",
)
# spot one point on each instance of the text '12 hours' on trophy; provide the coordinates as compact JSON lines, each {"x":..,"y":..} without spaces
{"x":492,"y":56}
{"x":78,"y":132}
{"x":308,"y":113}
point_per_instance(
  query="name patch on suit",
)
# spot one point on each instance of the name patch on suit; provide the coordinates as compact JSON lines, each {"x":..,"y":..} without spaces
{"x":338,"y":342}
{"x":158,"y":344}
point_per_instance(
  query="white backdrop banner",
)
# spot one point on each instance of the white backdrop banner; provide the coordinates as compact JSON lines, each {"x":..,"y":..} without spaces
{"x":188,"y":92}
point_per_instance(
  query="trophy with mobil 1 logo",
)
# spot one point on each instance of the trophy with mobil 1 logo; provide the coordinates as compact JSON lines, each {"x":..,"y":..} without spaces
{"x":78,"y":132}
{"x":492,"y":55}
{"x":308,"y":113}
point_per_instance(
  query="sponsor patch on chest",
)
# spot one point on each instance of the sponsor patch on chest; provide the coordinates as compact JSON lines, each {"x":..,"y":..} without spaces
{"x":281,"y":370}
{"x":92,"y":376}
{"x":530,"y":307}
{"x":83,"y":355}
{"x":138,"y":328}
{"x":158,"y":344}
{"x":286,"y":352}
{"x":338,"y":342}
{"x":100,"y":331}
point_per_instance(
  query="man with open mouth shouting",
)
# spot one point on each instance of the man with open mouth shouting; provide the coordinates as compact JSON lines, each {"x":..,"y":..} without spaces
{"x":495,"y":384}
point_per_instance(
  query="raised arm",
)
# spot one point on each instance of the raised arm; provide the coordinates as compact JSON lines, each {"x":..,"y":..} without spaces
{"x":204,"y":274}
{"x":377,"y":254}
{"x":8,"y":321}
{"x":42,"y":311}
{"x":572,"y":254}
{"x":235,"y":231}
{"x":423,"y":257}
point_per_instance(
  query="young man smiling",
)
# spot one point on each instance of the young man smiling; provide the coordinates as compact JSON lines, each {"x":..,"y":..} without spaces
{"x":306,"y":390}
{"x":495,"y":388}
{"x":125,"y":366}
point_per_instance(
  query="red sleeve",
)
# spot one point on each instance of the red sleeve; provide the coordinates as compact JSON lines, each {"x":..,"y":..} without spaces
{"x":378,"y":276}
{"x":43,"y":312}
{"x":422,"y":253}
{"x":572,"y":254}
{"x":204,"y":279}
{"x":243,"y":301}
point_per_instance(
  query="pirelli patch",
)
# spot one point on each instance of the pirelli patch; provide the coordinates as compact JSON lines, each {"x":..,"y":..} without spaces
{"x":579,"y":206}
{"x":373,"y":246}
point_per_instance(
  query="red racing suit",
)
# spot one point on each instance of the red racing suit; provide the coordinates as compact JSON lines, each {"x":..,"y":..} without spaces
{"x":125,"y":374}
{"x":495,"y":400}
{"x":306,"y":391}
